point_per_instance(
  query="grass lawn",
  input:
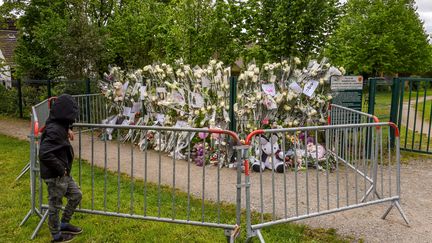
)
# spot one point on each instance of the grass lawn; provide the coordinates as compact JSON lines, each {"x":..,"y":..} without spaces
{"x":16,"y":202}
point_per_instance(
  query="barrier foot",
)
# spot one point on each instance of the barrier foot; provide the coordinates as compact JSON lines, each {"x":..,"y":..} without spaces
{"x":26,"y":218}
{"x":23,"y":171}
{"x":260,"y":237}
{"x":30,"y":213}
{"x":369,"y":192}
{"x":399,"y":208}
{"x":232,"y":234}
{"x":39,"y":225}
{"x":402,"y":213}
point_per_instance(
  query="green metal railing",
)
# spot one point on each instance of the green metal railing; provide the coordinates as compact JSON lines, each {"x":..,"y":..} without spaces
{"x":410,"y":109}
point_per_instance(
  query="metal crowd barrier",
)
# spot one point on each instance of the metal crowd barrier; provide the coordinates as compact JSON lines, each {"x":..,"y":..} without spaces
{"x":343,"y":115}
{"x":358,"y":179}
{"x":359,"y":169}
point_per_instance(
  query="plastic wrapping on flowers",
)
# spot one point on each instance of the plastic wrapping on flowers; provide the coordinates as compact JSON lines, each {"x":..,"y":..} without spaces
{"x":274,"y":95}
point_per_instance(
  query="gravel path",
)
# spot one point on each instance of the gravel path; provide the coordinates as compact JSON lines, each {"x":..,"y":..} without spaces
{"x":362,"y":223}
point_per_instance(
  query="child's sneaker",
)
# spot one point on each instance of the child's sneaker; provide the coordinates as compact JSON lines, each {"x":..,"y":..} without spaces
{"x":70,"y":229}
{"x":62,"y":237}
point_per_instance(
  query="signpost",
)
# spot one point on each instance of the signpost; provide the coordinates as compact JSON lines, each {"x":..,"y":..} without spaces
{"x":347,"y":91}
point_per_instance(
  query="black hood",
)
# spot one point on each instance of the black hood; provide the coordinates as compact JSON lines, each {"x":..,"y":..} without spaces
{"x":64,"y":110}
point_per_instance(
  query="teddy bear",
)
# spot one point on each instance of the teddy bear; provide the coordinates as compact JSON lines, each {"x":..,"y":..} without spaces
{"x":118,"y":91}
{"x":271,"y":155}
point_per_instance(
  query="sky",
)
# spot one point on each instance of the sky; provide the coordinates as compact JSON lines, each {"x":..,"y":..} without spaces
{"x":425,"y":11}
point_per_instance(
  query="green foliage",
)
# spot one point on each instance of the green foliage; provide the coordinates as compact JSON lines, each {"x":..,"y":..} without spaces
{"x":79,"y":38}
{"x":31,"y":95}
{"x":281,"y":28}
{"x":58,"y":39}
{"x":9,"y":104}
{"x":379,"y":37}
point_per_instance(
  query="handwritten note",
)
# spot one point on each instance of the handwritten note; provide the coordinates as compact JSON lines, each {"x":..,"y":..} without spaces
{"x":160,"y":118}
{"x":178,"y":97}
{"x":143,"y":92}
{"x":205,"y":82}
{"x":269,"y":89}
{"x":127,"y":111}
{"x":310,"y":87}
{"x":197,"y":101}
{"x":296,"y":88}
{"x":136,"y":107}
{"x":181,"y":124}
{"x":161,"y":90}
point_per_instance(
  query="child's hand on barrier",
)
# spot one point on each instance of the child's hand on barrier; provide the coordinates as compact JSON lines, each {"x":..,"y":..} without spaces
{"x":71,"y":135}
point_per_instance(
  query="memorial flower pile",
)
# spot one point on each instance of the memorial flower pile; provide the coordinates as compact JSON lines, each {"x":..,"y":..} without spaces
{"x":273,"y":95}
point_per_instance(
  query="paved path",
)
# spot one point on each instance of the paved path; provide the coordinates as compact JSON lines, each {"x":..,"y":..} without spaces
{"x":361,"y":223}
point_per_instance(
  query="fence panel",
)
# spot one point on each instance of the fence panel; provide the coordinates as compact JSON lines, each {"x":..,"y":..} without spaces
{"x":411,"y":110}
{"x":314,"y":171}
{"x":330,"y":169}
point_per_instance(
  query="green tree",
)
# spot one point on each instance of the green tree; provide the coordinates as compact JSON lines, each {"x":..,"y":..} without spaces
{"x":60,"y":38}
{"x":199,"y":30}
{"x":280,"y":29}
{"x":133,"y":32}
{"x":379,"y":37}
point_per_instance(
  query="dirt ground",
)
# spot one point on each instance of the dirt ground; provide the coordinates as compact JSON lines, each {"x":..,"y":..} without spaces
{"x":364,"y":223}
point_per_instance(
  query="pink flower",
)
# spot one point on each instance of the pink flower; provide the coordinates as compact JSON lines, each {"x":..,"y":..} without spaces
{"x":202,"y":135}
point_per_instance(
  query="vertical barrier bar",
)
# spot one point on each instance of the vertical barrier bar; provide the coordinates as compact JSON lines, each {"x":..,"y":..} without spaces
{"x":203,"y":181}
{"x":105,"y":174}
{"x":174,"y":178}
{"x":118,"y":170}
{"x":317,"y":171}
{"x":132,"y":180}
{"x":327,"y":139}
{"x":307,"y":174}
{"x":273,"y":176}
{"x":218,"y":181}
{"x":188,"y":177}
{"x":337,"y":167}
{"x":347,"y":159}
{"x":284,"y":177}
{"x":261,"y":181}
{"x":92,"y":169}
{"x":160,"y":174}
{"x":356,"y":158}
{"x":145,"y":173}
{"x":296,"y":173}
{"x":79,"y":158}
{"x":239,"y":181}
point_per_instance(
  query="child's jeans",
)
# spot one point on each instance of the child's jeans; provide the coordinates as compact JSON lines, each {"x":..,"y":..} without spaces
{"x":58,"y":188}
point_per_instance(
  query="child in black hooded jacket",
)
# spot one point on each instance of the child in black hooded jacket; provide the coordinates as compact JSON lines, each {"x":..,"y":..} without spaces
{"x":56,"y":156}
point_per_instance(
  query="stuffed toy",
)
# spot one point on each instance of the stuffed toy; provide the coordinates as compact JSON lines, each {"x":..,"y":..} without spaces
{"x":271,"y":156}
{"x":118,"y":92}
